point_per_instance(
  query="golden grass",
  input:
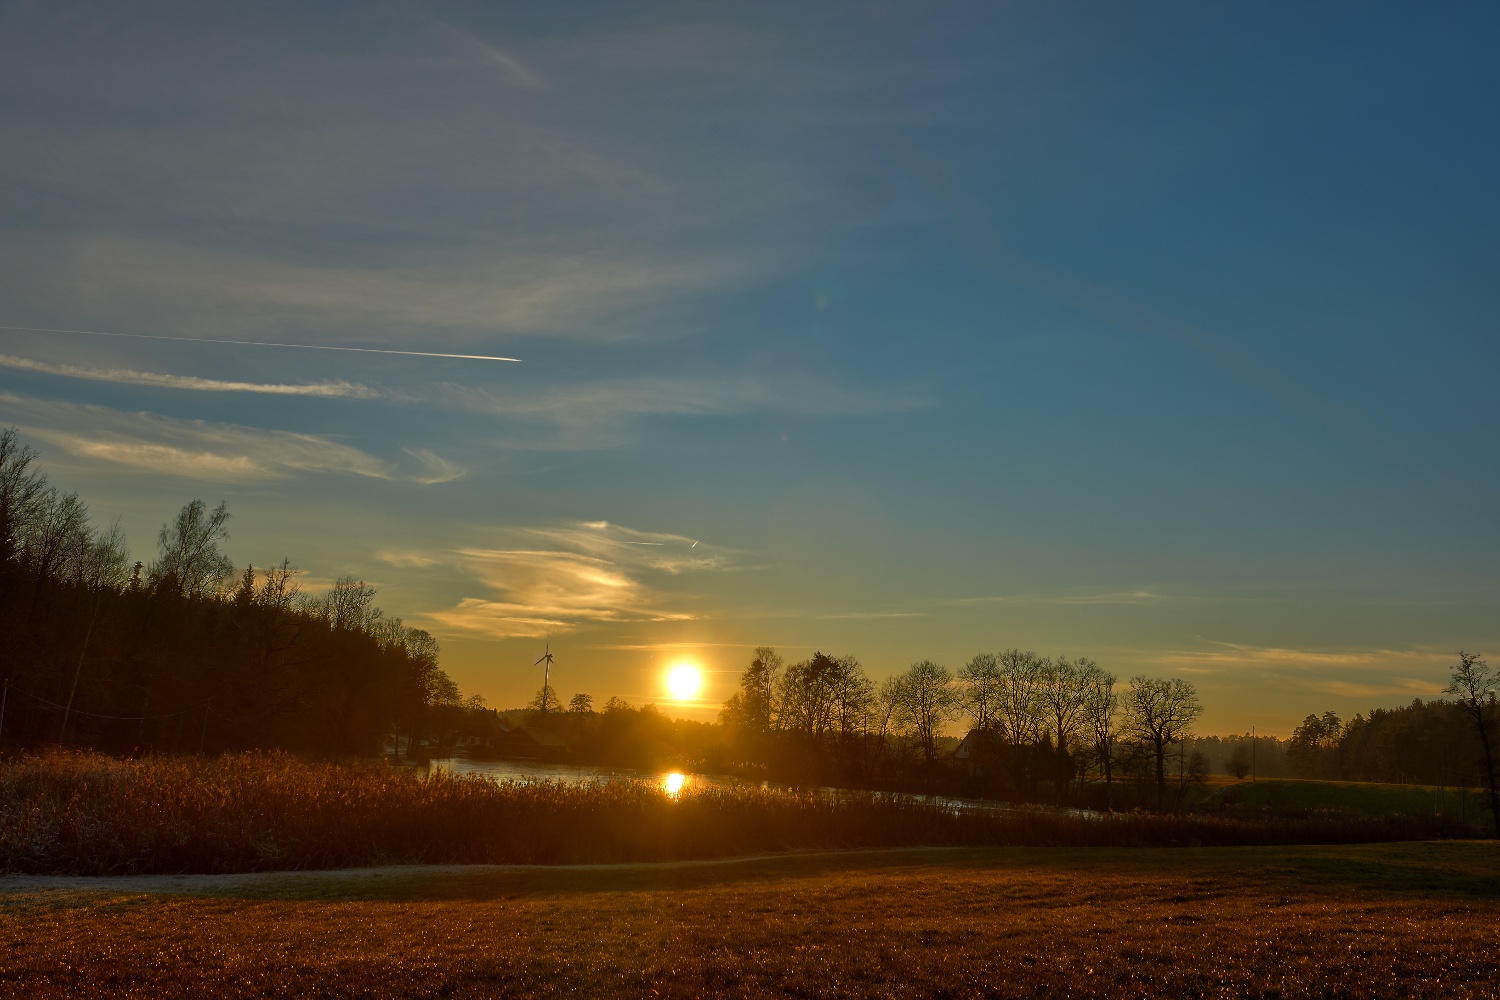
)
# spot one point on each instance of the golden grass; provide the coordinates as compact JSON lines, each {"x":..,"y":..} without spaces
{"x":1282,"y":922}
{"x":90,"y":814}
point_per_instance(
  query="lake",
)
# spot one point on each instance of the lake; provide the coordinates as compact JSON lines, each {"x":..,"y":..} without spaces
{"x":574,"y":774}
{"x":673,"y":781}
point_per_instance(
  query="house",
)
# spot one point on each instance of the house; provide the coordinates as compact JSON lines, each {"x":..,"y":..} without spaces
{"x":980,"y":750}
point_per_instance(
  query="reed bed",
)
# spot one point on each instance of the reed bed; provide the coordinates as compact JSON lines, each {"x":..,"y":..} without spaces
{"x":71,"y":812}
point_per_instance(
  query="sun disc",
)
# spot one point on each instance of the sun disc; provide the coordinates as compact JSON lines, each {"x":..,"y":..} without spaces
{"x":684,"y":680}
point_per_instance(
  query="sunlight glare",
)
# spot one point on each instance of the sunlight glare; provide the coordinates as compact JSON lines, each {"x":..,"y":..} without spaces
{"x":672,"y":783}
{"x":684,"y":680}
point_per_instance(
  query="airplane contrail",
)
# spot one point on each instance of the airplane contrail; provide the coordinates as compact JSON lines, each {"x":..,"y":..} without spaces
{"x":263,"y":343}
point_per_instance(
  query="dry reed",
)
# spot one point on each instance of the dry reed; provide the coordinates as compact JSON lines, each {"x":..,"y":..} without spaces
{"x":83,"y":813}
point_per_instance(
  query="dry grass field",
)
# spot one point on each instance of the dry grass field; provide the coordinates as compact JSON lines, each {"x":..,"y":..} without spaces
{"x":1396,"y":920}
{"x":88,"y":814}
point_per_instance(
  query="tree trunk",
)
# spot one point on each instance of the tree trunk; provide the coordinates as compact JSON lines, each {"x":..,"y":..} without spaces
{"x":1161,"y":774}
{"x":1489,"y":766}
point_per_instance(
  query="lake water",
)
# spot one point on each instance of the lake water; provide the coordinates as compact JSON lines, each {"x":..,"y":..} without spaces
{"x":674,"y":781}
{"x":573,"y":774}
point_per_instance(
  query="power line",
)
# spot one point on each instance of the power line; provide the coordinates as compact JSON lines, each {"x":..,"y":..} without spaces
{"x":100,"y":715}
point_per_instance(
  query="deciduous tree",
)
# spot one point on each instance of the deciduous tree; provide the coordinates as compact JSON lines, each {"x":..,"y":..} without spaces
{"x":1161,"y":712}
{"x":188,"y":559}
{"x":1473,"y":683}
{"x":930,"y":700}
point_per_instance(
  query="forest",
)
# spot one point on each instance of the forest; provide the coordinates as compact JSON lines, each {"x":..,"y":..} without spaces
{"x":1423,"y":743}
{"x":184,"y":654}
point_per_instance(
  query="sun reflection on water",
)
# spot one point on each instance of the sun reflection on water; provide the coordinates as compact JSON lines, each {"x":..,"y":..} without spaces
{"x":672,"y":784}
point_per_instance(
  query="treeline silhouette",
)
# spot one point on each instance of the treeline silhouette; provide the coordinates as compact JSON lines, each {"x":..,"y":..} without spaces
{"x":183,"y":654}
{"x":1445,"y":743}
{"x":1039,"y":727}
{"x":1424,"y":743}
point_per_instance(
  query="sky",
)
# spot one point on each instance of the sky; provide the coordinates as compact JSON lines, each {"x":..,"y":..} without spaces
{"x":1164,"y":336}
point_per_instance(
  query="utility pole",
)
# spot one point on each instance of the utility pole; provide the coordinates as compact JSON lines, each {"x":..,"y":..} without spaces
{"x":1252,"y":753}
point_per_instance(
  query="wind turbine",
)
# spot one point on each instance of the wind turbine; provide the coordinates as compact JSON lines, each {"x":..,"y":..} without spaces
{"x":546,"y":658}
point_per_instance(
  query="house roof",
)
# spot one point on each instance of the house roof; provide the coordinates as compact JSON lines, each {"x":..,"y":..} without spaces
{"x":977,"y":741}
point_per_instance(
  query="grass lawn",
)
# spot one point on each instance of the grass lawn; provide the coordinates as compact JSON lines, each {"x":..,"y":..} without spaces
{"x":1355,"y":797}
{"x":1414,"y":919}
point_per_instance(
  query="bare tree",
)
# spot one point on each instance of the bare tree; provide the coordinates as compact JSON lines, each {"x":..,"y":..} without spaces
{"x":1473,"y":683}
{"x":807,"y":697}
{"x":581,"y":704}
{"x":853,"y":693}
{"x":1160,"y":712}
{"x":1101,"y":709}
{"x":100,"y":558}
{"x":22,"y":487}
{"x":890,"y":710}
{"x":758,"y":689}
{"x":930,"y":700}
{"x":1060,"y":695}
{"x":57,"y":529}
{"x":1016,"y":705}
{"x":349,"y":605}
{"x":981,"y":690}
{"x":188,"y":558}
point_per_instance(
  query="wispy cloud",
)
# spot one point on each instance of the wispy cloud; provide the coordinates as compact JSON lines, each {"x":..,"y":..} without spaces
{"x":127,"y":376}
{"x":405,"y":559}
{"x":435,"y":468}
{"x":1097,"y":597}
{"x":1241,"y":654}
{"x":575,"y":575}
{"x":652,"y":550}
{"x":193,"y":449}
{"x":469,"y":294}
{"x":1339,"y":672}
{"x":471,"y":44}
{"x":599,"y":413}
{"x":549,"y":592}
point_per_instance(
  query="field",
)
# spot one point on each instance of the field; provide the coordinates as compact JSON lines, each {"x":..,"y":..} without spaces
{"x":1360,"y":798}
{"x":1416,"y":919}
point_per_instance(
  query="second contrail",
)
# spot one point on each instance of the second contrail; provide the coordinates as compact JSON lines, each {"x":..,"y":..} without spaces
{"x":262,"y":343}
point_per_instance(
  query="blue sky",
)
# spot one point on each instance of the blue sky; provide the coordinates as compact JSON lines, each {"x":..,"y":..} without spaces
{"x":1162,"y":337}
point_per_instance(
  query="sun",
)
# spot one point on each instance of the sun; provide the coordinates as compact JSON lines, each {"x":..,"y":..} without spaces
{"x":684,"y":680}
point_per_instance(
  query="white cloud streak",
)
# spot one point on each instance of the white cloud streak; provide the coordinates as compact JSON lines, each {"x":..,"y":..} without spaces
{"x":469,"y":294}
{"x":192,"y":449}
{"x":162,"y":380}
{"x":597,"y":413}
{"x":435,"y":468}
{"x":1340,"y":672}
{"x":1102,"y":597}
{"x":574,"y":576}
{"x":472,"y":45}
